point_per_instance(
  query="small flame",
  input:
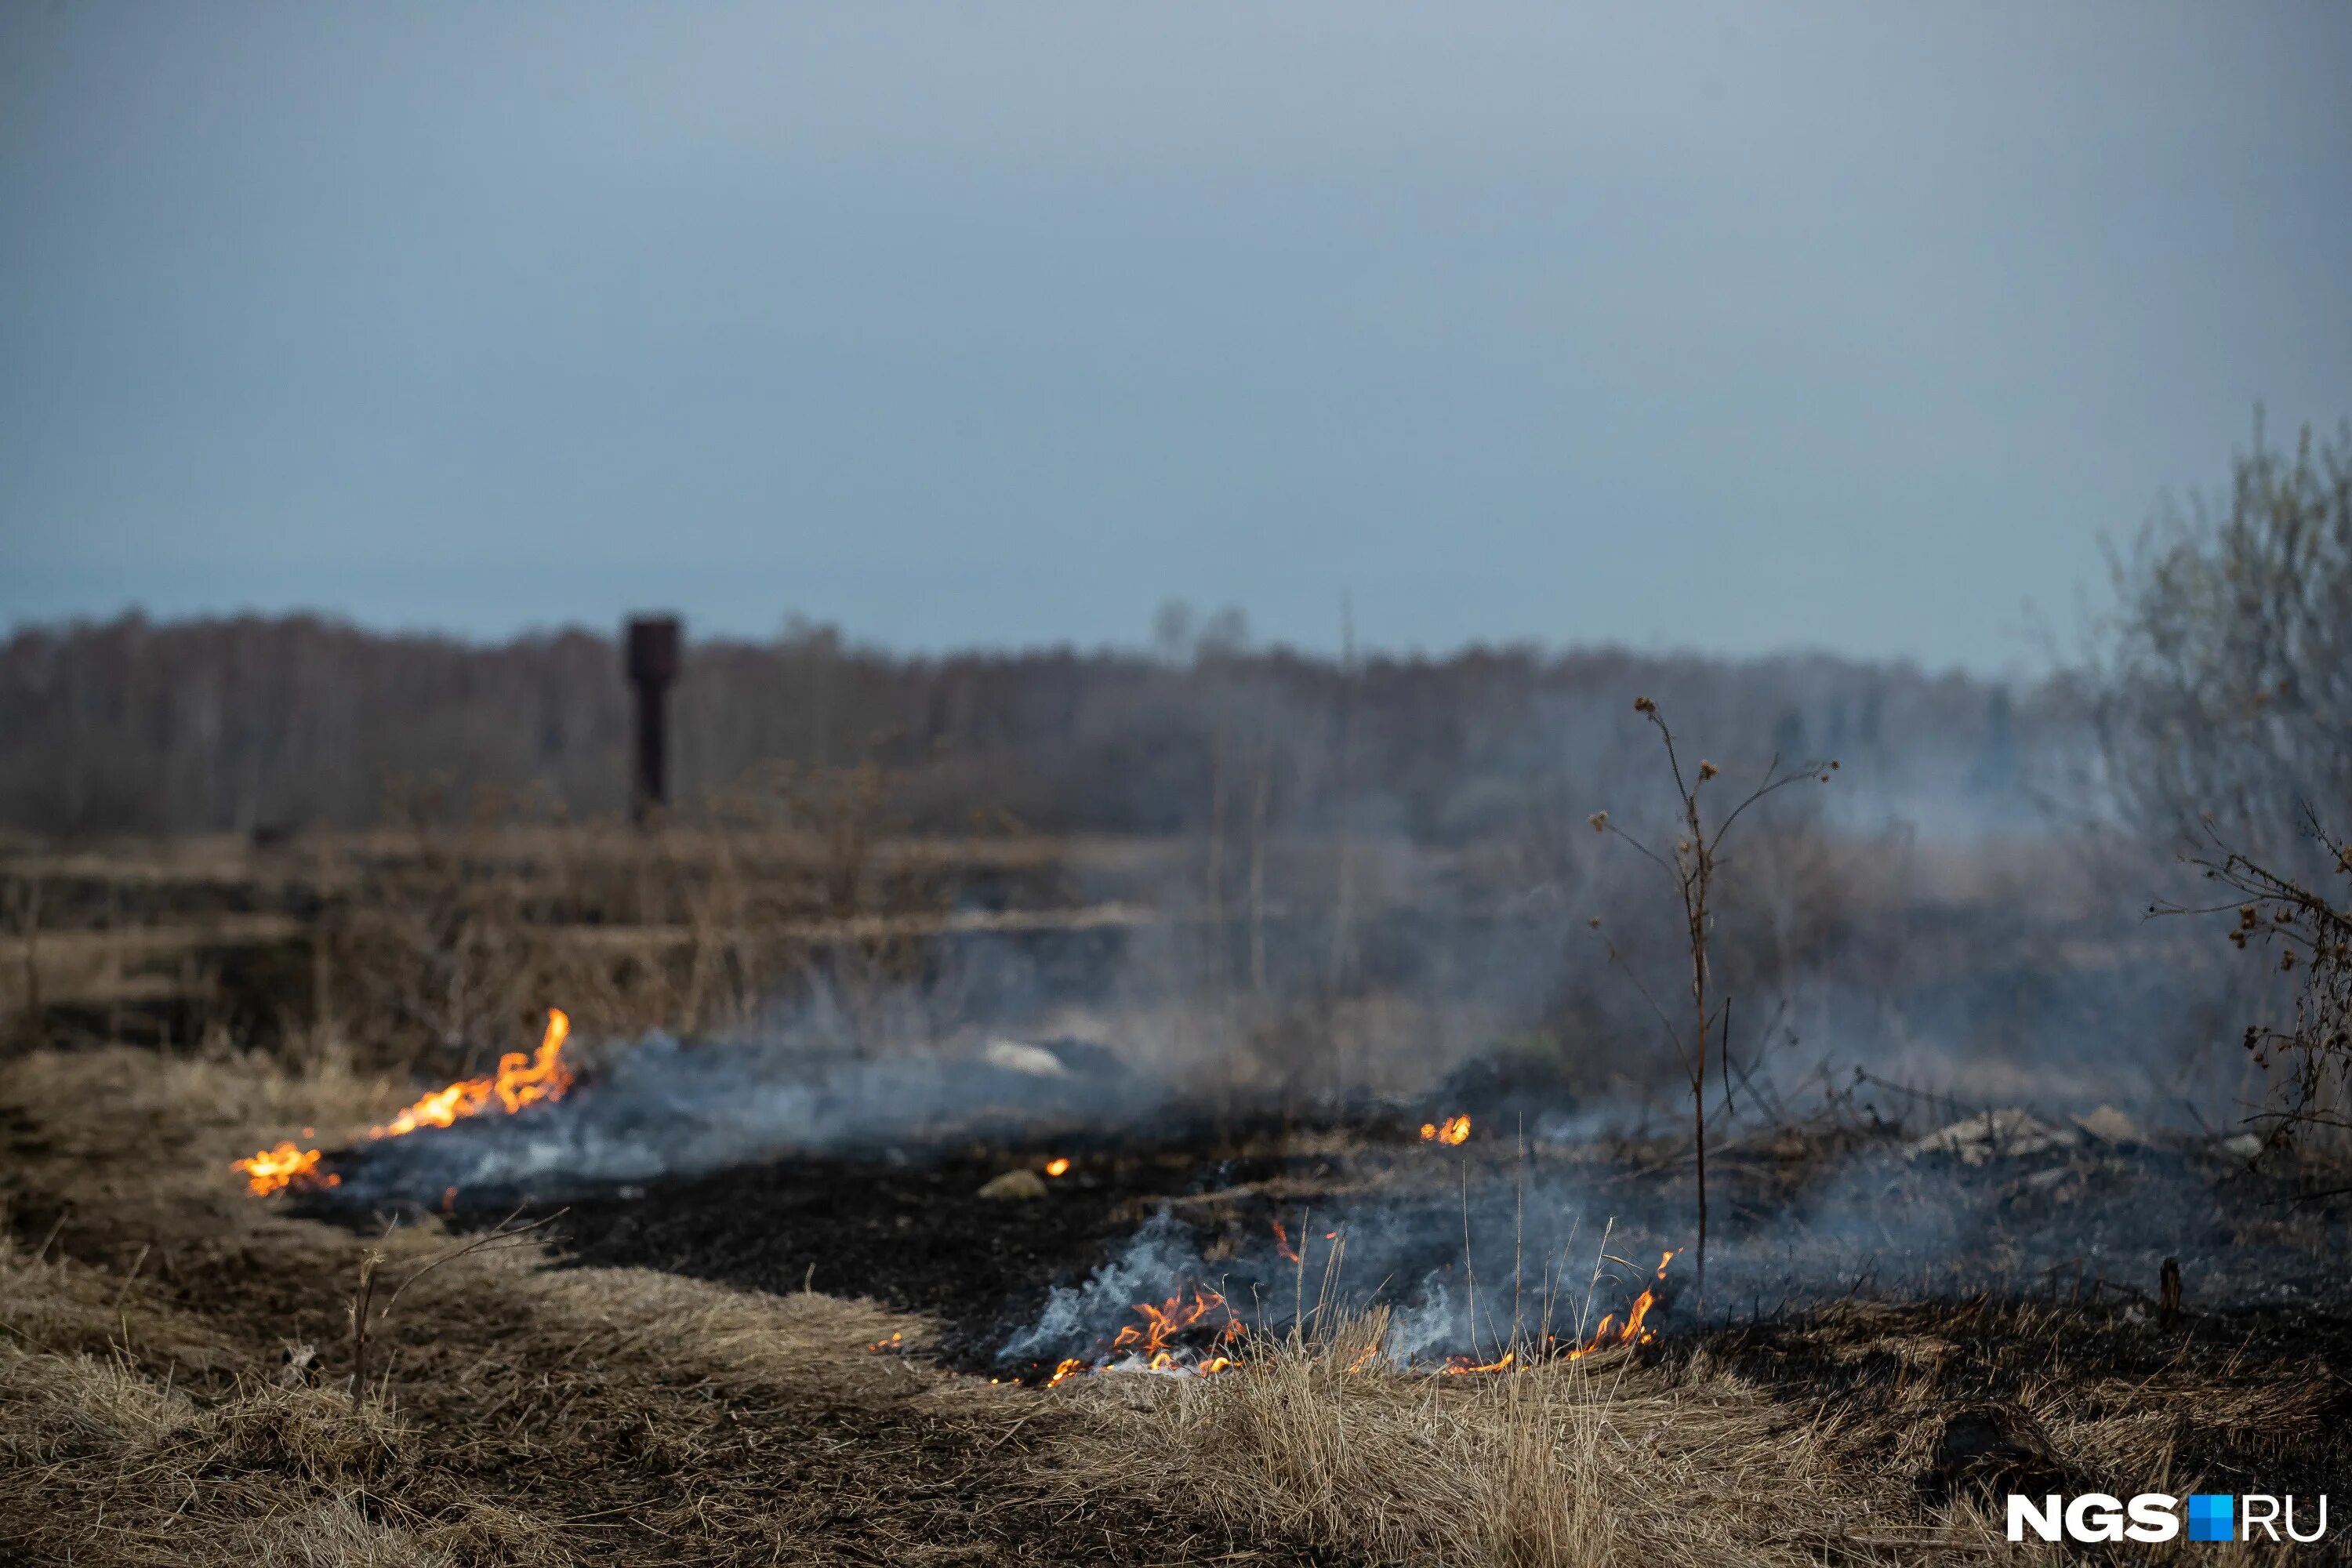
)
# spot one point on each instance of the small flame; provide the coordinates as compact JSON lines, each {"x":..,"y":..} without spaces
{"x":1453,"y":1130}
{"x":1630,"y":1333}
{"x":1057,"y":1166}
{"x":896,"y":1342}
{"x":271,"y":1169}
{"x":1151,"y":1345}
{"x":1608,"y":1336}
{"x":1172,"y":1317}
{"x":521,"y":1080}
{"x":1282,"y":1244}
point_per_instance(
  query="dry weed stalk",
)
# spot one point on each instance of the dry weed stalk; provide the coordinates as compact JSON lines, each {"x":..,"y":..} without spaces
{"x":1692,"y":872}
{"x":365,"y":1317}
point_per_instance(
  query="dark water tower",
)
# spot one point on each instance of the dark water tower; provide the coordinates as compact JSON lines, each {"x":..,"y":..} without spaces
{"x":652,"y":665}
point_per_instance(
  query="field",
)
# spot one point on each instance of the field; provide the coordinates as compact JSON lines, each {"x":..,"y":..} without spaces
{"x":799,"y":1280}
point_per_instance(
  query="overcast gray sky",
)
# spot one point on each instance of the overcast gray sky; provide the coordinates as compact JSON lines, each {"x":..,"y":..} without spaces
{"x":1736,"y":328}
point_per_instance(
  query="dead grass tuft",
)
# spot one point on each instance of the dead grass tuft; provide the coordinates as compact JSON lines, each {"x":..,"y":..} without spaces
{"x":1551,"y":1465}
{"x":100,"y":1464}
{"x":336,"y":1533}
{"x":66,"y":1408}
{"x":318,"y":1434}
{"x":484,"y":1533}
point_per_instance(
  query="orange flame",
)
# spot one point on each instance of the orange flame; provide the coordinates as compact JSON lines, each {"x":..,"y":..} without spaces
{"x":1608,"y":1336}
{"x":521,"y":1080}
{"x":1632,"y":1332}
{"x":1150,"y":1344}
{"x":271,"y":1169}
{"x":1282,"y":1244}
{"x":1057,"y":1166}
{"x":1453,"y":1130}
{"x":1172,"y":1317}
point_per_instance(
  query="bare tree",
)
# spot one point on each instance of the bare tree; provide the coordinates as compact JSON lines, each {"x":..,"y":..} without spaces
{"x":1691,"y":869}
{"x":2227,"y":673}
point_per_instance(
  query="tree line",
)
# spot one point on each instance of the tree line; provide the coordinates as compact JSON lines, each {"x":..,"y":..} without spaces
{"x":264,"y":724}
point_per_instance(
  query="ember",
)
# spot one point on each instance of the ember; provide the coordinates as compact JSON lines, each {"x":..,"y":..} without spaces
{"x":1058,"y":1166}
{"x":520,"y":1081}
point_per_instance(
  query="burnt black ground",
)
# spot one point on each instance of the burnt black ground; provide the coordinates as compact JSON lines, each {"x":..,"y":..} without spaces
{"x":918,"y":1237}
{"x":1995,"y":1357}
{"x":2068,"y":1313}
{"x":915,"y":1237}
{"x":1803,"y":1217}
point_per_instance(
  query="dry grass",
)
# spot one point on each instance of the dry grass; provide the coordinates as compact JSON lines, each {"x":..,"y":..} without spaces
{"x":103,"y":1465}
{"x":1548,"y":1466}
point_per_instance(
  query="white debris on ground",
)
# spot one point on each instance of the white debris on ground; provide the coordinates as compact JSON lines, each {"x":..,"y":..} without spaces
{"x":2016,"y":1133}
{"x":1014,"y":1186}
{"x":1994,"y":1134}
{"x":2109,"y":1125}
{"x":1013,"y":1056}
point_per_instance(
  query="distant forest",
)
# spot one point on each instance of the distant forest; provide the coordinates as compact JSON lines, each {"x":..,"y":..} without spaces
{"x":267,"y":723}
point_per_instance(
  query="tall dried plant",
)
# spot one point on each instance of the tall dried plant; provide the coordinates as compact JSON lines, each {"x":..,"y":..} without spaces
{"x":1690,"y":867}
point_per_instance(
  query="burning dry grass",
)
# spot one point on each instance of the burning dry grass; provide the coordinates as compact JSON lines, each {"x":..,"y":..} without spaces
{"x":151,"y":1414}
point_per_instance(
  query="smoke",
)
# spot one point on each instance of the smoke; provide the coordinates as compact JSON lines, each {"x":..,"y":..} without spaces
{"x":663,"y":1108}
{"x":1157,"y":1260}
{"x":1518,"y":1255}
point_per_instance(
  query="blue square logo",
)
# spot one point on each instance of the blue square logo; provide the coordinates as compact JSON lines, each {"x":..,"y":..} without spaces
{"x":2211,"y":1516}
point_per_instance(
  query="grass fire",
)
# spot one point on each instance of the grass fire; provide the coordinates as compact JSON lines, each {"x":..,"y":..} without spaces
{"x":1088,"y":1261}
{"x":1318,"y":787}
{"x":520,"y":1079}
